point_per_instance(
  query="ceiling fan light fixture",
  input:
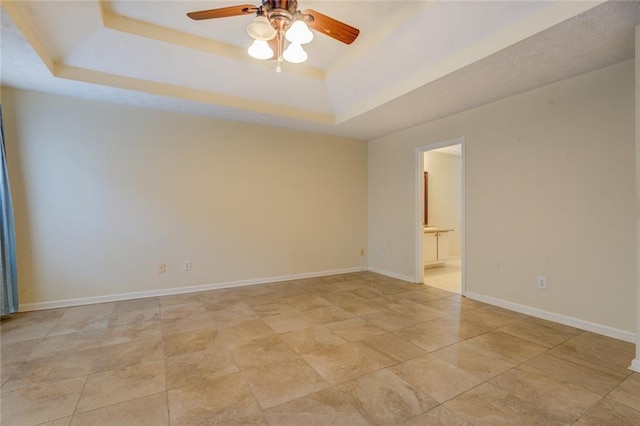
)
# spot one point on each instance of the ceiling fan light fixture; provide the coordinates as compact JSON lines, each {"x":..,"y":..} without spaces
{"x":295,"y":54}
{"x":299,"y":33}
{"x":260,"y":49}
{"x":260,"y":28}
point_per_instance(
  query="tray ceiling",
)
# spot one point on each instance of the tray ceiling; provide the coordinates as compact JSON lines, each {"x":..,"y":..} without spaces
{"x":414,"y":60}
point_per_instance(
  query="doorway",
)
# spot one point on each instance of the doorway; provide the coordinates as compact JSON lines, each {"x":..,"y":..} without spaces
{"x":440,"y":215}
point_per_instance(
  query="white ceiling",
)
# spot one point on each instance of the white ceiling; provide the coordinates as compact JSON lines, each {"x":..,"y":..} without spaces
{"x":414,"y":61}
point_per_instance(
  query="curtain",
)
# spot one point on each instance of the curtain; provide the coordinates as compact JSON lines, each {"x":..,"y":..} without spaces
{"x":8,"y":268}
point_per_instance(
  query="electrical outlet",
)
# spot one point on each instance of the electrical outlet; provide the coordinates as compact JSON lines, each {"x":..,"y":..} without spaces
{"x":162,"y":268}
{"x":542,"y":282}
{"x":186,"y":265}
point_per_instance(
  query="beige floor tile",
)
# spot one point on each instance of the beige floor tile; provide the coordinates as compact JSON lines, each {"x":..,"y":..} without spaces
{"x":326,"y":407}
{"x":26,"y":332}
{"x":146,"y":411}
{"x":17,"y":352}
{"x":179,"y":299}
{"x":78,"y":324}
{"x":439,"y":416}
{"x":418,"y":311}
{"x":65,"y":421}
{"x":388,"y":349}
{"x":385,"y":399}
{"x":490,"y":405}
{"x":244,"y":332}
{"x":6,"y":370}
{"x":232,"y":315}
{"x":123,"y":355}
{"x":341,"y":363}
{"x":437,"y":378}
{"x":283,"y":323}
{"x":112,"y":387}
{"x":187,"y":323}
{"x":282,"y":382}
{"x":192,"y":368}
{"x":289,"y":290}
{"x":393,"y":301}
{"x":611,"y":353}
{"x":132,"y":332}
{"x":68,"y":343}
{"x":278,"y":307}
{"x":178,"y":311}
{"x":307,"y":302}
{"x":540,"y":332}
{"x":329,"y":314}
{"x":391,"y":320}
{"x":491,"y":316}
{"x":610,"y":413}
{"x":223,"y":400}
{"x":337,"y":297}
{"x":21,"y":319}
{"x":439,"y":291}
{"x":134,"y":317}
{"x":475,"y":359}
{"x":136,"y":305}
{"x":354,"y":329}
{"x":249,"y":292}
{"x":348,"y":349}
{"x":95,"y":310}
{"x":41,"y":403}
{"x":567,"y":368}
{"x":469,"y":303}
{"x":312,"y":339}
{"x":192,"y":341}
{"x":450,"y":305}
{"x":508,"y":345}
{"x":628,"y":392}
{"x":212,"y":302}
{"x":355,"y":304}
{"x":263,"y":352}
{"x":418,"y":296}
{"x":367,"y":292}
{"x":563,"y":400}
{"x":441,"y":332}
{"x":51,"y":369}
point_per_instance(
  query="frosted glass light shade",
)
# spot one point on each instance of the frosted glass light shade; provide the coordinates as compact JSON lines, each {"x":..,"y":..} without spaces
{"x":260,"y":49}
{"x":299,"y":33}
{"x":260,"y":28}
{"x":295,"y":54}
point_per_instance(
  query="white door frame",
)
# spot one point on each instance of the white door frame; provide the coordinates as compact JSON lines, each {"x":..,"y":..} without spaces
{"x":419,"y":196}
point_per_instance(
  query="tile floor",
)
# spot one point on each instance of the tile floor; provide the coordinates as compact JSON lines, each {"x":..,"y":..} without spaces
{"x":447,"y":277}
{"x":354,"y":349}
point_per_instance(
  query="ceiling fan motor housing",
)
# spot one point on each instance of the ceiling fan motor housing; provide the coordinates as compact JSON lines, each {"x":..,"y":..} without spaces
{"x":281,"y":13}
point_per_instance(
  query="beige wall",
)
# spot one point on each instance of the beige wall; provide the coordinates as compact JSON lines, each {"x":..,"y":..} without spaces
{"x":549,"y":191}
{"x":445,"y":192}
{"x":104,"y":193}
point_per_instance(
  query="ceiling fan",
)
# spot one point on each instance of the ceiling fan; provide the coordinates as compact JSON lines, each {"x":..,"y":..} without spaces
{"x":277,"y":20}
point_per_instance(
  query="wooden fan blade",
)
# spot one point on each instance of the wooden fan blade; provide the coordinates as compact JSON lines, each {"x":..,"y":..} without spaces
{"x":331,"y":27}
{"x":223,"y":12}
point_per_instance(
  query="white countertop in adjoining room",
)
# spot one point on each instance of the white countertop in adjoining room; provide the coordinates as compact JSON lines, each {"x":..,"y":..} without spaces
{"x":433,"y":230}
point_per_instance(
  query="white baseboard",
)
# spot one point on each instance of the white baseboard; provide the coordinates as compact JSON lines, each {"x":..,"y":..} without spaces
{"x":391,"y":274}
{"x":180,"y":290}
{"x":551,"y":316}
{"x":635,"y":365}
